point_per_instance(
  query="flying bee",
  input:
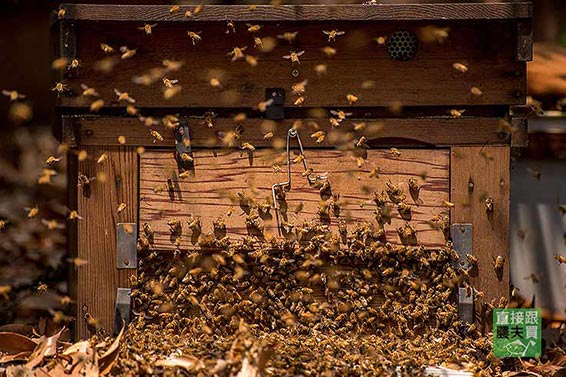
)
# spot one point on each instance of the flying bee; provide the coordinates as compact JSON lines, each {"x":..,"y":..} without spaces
{"x":489,"y":204}
{"x":299,"y":101}
{"x":321,"y":69}
{"x":147,"y":28}
{"x":172,"y":65}
{"x":341,"y":115}
{"x":332,"y":34}
{"x":126,"y":52}
{"x":351,"y":98}
{"x":380,"y":40}
{"x":42,"y":288}
{"x":52,"y":160}
{"x":294,"y":57}
{"x":299,"y":88}
{"x":476,"y":91}
{"x":329,"y":51}
{"x":169,"y":93}
{"x":237,"y":53}
{"x":103,"y":157}
{"x":395,"y":152}
{"x":362,"y":142}
{"x":74,"y":215}
{"x":124,"y":96}
{"x":88,"y":92}
{"x":288,"y":36}
{"x":198,"y":9}
{"x":195,"y":36}
{"x":13,"y":94}
{"x":498,"y":263}
{"x":96,"y":105}
{"x":52,"y":224}
{"x":533,"y":277}
{"x":174,"y":9}
{"x":32,"y":212}
{"x":456,"y":113}
{"x":268,"y":136}
{"x":263,"y":105}
{"x":460,"y":67}
{"x":169,"y":83}
{"x":61,"y":13}
{"x":251,"y":60}
{"x":60,"y":87}
{"x":156,"y":136}
{"x":319,"y":136}
{"x":253,"y":28}
{"x":106,"y":48}
{"x":60,"y":63}
{"x":334,"y":122}
{"x":230,"y":27}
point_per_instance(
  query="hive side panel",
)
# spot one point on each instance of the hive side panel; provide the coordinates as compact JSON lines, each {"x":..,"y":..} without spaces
{"x":477,"y":174}
{"x":116,"y":182}
{"x":221,"y":175}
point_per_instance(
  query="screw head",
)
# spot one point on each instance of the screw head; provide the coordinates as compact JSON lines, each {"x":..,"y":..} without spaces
{"x":295,"y":73}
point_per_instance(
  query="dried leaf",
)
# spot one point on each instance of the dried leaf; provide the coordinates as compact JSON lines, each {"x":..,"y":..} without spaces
{"x":189,"y":363}
{"x":109,"y":358}
{"x":13,"y":343}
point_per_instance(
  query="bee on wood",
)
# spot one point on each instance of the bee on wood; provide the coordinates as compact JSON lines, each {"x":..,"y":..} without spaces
{"x":299,"y":101}
{"x":174,"y":225}
{"x":448,"y":204}
{"x":198,"y":9}
{"x":362,"y":142}
{"x":460,"y":67}
{"x":124,"y":96}
{"x":332,"y":34}
{"x":560,"y":258}
{"x":103,"y":157}
{"x":121,"y":207}
{"x":351,"y":98}
{"x":147,"y":28}
{"x":299,"y":88}
{"x":14,"y":95}
{"x":498,"y":263}
{"x":288,"y":36}
{"x":230,"y":27}
{"x":106,"y":48}
{"x":294,"y":57}
{"x":395,"y":152}
{"x":194,"y":224}
{"x":456,"y":113}
{"x":84,"y":181}
{"x":127,"y":53}
{"x":489,"y":204}
{"x":329,"y":51}
{"x":156,"y":136}
{"x":258,"y":43}
{"x":174,"y":9}
{"x":195,"y":36}
{"x":3,"y":224}
{"x":413,"y":185}
{"x":472,"y":260}
{"x":61,"y":13}
{"x":319,"y":136}
{"x":237,"y":53}
{"x":248,"y":146}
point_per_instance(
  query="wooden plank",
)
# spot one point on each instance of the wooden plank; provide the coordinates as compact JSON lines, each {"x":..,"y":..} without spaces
{"x":447,"y":11}
{"x":488,"y":169}
{"x":98,"y":280}
{"x":220,"y":175}
{"x":425,"y":131}
{"x":426,"y":80}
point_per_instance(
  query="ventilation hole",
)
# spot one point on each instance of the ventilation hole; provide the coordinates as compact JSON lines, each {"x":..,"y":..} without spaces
{"x":402,"y":45}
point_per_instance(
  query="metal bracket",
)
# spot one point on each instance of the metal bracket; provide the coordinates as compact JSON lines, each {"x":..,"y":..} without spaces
{"x":524,"y":52}
{"x":463,"y":243}
{"x":126,"y":251}
{"x":183,"y":151}
{"x":122,"y":309}
{"x":275,"y":110}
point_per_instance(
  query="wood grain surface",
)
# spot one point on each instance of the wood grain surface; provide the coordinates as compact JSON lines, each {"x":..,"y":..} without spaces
{"x":98,"y":280}
{"x":360,"y":66}
{"x":439,"y":132}
{"x":487,"y":168}
{"x":458,"y":11}
{"x":220,"y":175}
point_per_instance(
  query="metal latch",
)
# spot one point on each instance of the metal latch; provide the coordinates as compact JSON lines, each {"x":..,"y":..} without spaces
{"x":122,"y":309}
{"x":276,"y":98}
{"x":126,"y":246}
{"x":183,"y":152}
{"x":463,"y":242}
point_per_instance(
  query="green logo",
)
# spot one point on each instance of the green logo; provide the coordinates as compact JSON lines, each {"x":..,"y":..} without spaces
{"x":517,"y":332}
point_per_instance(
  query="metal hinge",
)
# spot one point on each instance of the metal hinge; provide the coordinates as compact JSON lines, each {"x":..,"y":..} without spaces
{"x":463,"y":242}
{"x":126,"y":249}
{"x":122,"y":308}
{"x":275,"y":110}
{"x":183,"y":151}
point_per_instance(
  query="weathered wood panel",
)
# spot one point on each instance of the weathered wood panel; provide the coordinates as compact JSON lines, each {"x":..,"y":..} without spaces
{"x":476,"y":174}
{"x":98,"y":280}
{"x":432,"y":131}
{"x":426,"y":80}
{"x":458,"y":11}
{"x":220,"y":175}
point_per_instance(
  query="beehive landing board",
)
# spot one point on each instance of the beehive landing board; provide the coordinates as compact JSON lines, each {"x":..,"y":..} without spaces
{"x":220,"y":175}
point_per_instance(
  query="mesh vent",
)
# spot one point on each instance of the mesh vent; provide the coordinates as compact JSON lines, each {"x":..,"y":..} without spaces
{"x":402,"y":45}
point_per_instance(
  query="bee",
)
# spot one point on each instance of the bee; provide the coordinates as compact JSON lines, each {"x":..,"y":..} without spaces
{"x":489,"y":204}
{"x":460,"y":67}
{"x":13,"y":94}
{"x":60,"y":63}
{"x":61,"y":13}
{"x":380,"y":40}
{"x":456,"y":113}
{"x":288,"y":36}
{"x":253,"y":28}
{"x":60,"y":87}
{"x":74,"y":215}
{"x":472,"y":260}
{"x":476,"y":91}
{"x":299,"y":88}
{"x":194,"y":224}
{"x":321,"y":69}
{"x":3,"y":224}
{"x":229,"y":211}
{"x":174,"y":225}
{"x":432,"y":33}
{"x":329,"y":51}
{"x":248,"y":147}
{"x":78,"y":262}
{"x":127,"y":53}
{"x":45,"y":177}
{"x":52,"y":224}
{"x":298,"y":159}
{"x":230,"y":27}
{"x":96,"y":105}
{"x":341,"y":115}
{"x":88,"y":92}
{"x":52,"y":160}
{"x":106,"y":48}
{"x":198,"y":9}
{"x":388,"y":271}
{"x":351,"y":98}
{"x":319,"y":136}
{"x":258,"y":43}
{"x":174,"y":9}
{"x":332,"y":34}
{"x":32,"y":212}
{"x":263,"y":105}
{"x":413,"y":185}
{"x":395,"y":152}
{"x":121,"y":207}
{"x":156,"y":136}
{"x":294,"y":57}
{"x":498,"y":263}
{"x":251,"y":60}
{"x":75,"y":63}
{"x":84,"y":181}
{"x":195,"y":36}
{"x":172,"y":92}
{"x":268,"y":136}
{"x":92,"y":322}
{"x":42,"y":288}
{"x":172,"y":65}
{"x":334,"y":122}
{"x":124,"y":96}
{"x":560,"y":258}
{"x":103,"y":157}
{"x":169,"y":83}
{"x":237,"y":53}
{"x":534,"y":277}
{"x":299,"y":101}
{"x":147,"y":28}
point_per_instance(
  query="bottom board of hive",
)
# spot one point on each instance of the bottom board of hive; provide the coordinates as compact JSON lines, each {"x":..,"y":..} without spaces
{"x":234,"y":186}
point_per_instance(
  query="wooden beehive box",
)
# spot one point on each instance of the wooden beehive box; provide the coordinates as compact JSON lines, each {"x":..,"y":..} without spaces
{"x":404,"y":63}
